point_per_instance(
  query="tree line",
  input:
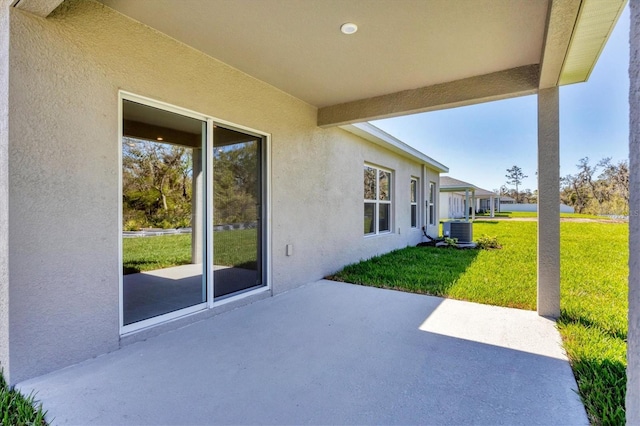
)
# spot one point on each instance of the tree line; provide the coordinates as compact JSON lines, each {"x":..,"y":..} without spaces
{"x":601,"y":188}
{"x":157,"y":184}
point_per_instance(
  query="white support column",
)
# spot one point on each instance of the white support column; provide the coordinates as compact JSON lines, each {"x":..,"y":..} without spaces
{"x":473,"y":209}
{"x":492,"y":206}
{"x":197,"y":197}
{"x":548,"y":203}
{"x":466,"y":205}
{"x":632,"y":405}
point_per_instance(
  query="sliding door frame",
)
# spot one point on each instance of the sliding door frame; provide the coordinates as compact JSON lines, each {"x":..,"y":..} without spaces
{"x":265,"y":214}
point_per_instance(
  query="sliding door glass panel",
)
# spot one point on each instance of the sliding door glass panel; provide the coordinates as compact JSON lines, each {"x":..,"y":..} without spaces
{"x":237,"y":211}
{"x":163,"y":201}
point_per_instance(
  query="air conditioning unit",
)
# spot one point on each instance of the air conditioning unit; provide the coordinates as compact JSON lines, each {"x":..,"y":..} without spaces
{"x":459,"y":229}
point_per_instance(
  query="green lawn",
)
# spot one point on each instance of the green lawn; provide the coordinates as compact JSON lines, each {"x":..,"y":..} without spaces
{"x":593,"y":290}
{"x":231,"y":248}
{"x":506,"y":214}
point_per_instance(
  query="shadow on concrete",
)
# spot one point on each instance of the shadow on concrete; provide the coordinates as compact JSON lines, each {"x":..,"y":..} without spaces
{"x":330,"y":353}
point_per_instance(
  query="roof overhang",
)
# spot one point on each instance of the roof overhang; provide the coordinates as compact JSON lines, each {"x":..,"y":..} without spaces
{"x":407,"y":57}
{"x":377,"y":136}
{"x":457,"y":188}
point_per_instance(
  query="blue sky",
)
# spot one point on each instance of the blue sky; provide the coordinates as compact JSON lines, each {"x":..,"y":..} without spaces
{"x":479,"y":142}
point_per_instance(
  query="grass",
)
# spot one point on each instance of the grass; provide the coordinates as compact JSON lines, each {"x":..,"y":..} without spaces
{"x":507,"y":214}
{"x":17,"y":409}
{"x":594,"y":274}
{"x":231,"y":248}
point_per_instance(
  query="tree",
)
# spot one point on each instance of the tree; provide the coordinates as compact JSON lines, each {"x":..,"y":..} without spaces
{"x":606,"y":193}
{"x":236,"y":188}
{"x":515,"y":176}
{"x":156,"y":184}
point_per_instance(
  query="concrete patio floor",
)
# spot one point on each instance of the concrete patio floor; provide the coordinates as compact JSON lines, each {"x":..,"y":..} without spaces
{"x":329,"y":353}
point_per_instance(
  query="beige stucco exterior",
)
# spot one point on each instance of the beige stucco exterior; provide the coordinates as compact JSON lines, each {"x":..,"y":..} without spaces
{"x":549,"y":202}
{"x":60,"y":79}
{"x":4,"y":184}
{"x":633,"y":339}
{"x":65,"y":73}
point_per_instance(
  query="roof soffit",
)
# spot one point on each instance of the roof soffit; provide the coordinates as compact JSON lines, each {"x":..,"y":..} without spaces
{"x":408,"y":56}
{"x":401,"y":45}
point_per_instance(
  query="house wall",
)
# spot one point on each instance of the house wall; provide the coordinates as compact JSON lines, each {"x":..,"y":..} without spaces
{"x":66,"y":72}
{"x":4,"y":186}
{"x":449,"y":209}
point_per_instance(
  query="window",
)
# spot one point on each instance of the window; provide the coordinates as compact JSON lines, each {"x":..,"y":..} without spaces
{"x":432,"y":203}
{"x":377,"y":200}
{"x":414,"y":202}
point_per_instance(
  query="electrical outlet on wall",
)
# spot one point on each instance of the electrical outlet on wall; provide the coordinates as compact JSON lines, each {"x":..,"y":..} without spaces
{"x":289,"y":249}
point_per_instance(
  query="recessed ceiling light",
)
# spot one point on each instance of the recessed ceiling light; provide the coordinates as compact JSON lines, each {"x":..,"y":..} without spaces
{"x":160,"y":138}
{"x":348,"y":28}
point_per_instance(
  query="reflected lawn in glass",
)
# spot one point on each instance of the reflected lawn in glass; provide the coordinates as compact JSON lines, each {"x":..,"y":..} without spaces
{"x":151,"y":253}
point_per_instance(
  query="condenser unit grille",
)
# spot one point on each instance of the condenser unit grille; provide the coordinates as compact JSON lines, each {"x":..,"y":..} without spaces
{"x":463,"y":231}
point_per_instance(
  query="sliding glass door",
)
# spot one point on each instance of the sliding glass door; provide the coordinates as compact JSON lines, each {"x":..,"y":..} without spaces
{"x":192,"y":213}
{"x":162,"y":212}
{"x":237,"y":211}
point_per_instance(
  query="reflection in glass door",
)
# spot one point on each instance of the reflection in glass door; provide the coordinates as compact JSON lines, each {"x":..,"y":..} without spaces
{"x":163,"y":201}
{"x":237,"y":211}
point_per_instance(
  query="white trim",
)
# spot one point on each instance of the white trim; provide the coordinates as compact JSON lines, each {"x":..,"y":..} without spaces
{"x":161,"y":319}
{"x":120,"y":272}
{"x":209,"y":211}
{"x":431,"y":204}
{"x":240,"y":295}
{"x":267,"y":243}
{"x":378,"y":136}
{"x":390,"y":202}
{"x":125,"y":330}
{"x":162,"y":105}
{"x":414,"y":203}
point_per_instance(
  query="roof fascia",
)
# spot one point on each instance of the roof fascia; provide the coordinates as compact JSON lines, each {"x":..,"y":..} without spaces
{"x":561,"y":20}
{"x":379,"y":137}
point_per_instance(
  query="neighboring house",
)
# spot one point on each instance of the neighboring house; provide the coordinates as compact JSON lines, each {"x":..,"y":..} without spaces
{"x":257,"y":112}
{"x":456,"y":195}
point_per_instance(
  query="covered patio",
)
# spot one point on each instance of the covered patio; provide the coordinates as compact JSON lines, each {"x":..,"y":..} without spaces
{"x":338,"y":354}
{"x":312,"y":354}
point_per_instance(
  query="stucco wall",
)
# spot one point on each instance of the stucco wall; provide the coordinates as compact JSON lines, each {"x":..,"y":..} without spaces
{"x":4,"y":187}
{"x":63,"y":169}
{"x":633,"y":345}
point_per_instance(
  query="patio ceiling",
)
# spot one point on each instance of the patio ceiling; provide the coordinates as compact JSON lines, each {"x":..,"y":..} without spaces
{"x":407,"y":56}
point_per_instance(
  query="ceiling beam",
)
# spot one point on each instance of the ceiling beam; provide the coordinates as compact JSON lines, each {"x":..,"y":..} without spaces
{"x":556,"y":40}
{"x":41,"y":8}
{"x":151,"y":132}
{"x":489,"y":87}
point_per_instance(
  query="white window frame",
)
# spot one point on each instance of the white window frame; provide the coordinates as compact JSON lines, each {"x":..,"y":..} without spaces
{"x":432,"y":204}
{"x":413,"y":192}
{"x":377,"y":202}
{"x":133,"y":328}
